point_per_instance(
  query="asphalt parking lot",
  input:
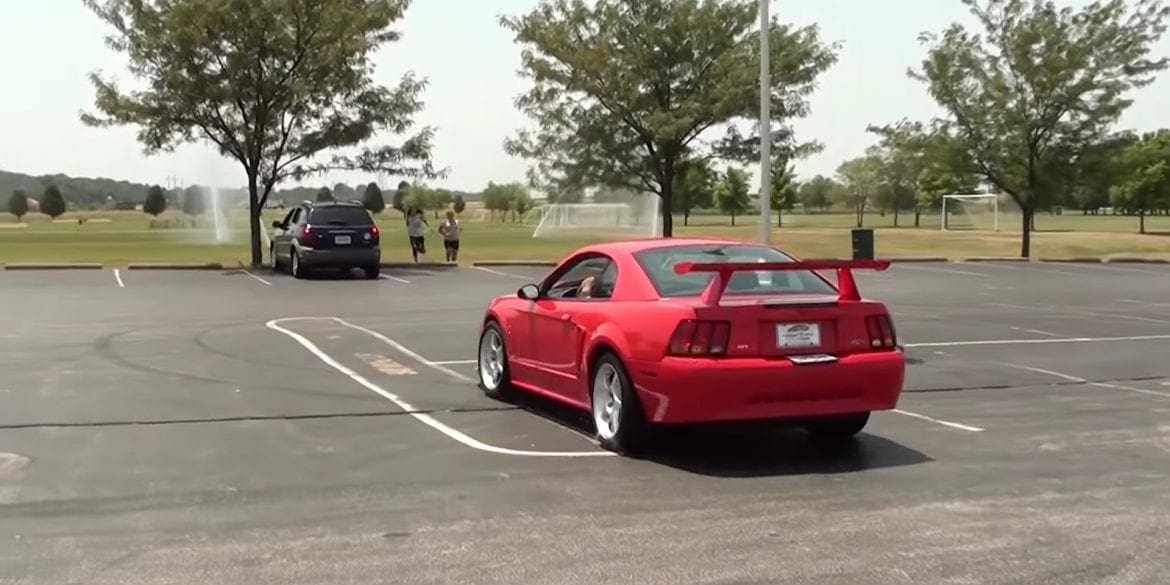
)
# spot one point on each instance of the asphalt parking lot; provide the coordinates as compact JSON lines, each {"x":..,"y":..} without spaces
{"x":234,"y":427}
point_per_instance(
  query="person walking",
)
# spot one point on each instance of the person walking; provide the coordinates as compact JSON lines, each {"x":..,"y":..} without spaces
{"x":450,"y":229}
{"x":416,"y":229}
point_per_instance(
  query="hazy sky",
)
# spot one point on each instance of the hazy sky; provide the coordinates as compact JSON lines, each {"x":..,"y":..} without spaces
{"x":49,"y":46}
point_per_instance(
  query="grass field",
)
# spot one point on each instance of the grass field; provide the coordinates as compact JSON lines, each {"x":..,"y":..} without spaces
{"x":115,"y":238}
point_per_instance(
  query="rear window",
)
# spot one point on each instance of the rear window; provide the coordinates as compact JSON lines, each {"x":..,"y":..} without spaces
{"x":340,"y":216}
{"x":659,"y":266}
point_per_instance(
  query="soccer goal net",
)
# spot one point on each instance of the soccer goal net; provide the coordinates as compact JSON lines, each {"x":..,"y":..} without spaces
{"x":977,"y":211}
{"x":637,"y":217}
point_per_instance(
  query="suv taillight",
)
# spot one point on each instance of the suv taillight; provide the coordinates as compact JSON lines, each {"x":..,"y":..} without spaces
{"x":881,"y":332}
{"x":695,"y":338}
{"x":307,"y":234}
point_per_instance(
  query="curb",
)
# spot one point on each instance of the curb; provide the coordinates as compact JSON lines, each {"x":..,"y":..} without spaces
{"x":1074,"y":260}
{"x":992,"y":259}
{"x":54,"y":266}
{"x":166,"y":266}
{"x":919,"y":259}
{"x":505,"y":263}
{"x":423,"y":265}
{"x":1127,"y":260}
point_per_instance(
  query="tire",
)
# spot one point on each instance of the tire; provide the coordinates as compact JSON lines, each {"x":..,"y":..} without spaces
{"x":372,"y":272}
{"x":838,"y":428}
{"x":492,"y":363}
{"x":615,"y":408}
{"x":294,"y":265}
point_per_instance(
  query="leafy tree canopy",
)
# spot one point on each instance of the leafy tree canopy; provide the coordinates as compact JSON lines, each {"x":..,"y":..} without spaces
{"x":271,"y":83}
{"x":52,"y":203}
{"x":1037,"y":84}
{"x":18,"y":204}
{"x":622,"y":91}
{"x":372,"y":199}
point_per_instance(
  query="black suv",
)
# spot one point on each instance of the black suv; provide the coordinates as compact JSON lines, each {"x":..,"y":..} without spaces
{"x":328,"y":234}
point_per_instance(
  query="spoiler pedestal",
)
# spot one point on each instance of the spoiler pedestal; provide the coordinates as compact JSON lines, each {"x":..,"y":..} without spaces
{"x":846,"y":286}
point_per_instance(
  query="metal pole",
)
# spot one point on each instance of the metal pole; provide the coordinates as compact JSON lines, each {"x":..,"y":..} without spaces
{"x":765,"y":129}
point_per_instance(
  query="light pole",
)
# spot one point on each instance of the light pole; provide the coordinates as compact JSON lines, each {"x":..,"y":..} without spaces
{"x":765,"y":129}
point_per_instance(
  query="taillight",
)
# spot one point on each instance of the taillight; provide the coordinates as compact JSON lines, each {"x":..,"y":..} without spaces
{"x":699,"y":338}
{"x":881,"y":332}
{"x":307,"y":234}
{"x":374,"y":231}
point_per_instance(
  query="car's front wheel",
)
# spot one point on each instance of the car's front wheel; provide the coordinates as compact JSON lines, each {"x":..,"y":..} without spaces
{"x":493,"y":362}
{"x":838,"y":428}
{"x":617,"y":413}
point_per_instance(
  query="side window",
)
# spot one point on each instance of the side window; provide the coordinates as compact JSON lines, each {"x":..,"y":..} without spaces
{"x":288,"y":219}
{"x":585,"y":279}
{"x":296,"y":216}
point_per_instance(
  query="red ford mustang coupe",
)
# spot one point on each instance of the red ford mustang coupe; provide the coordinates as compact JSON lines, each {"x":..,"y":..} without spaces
{"x":677,"y":330}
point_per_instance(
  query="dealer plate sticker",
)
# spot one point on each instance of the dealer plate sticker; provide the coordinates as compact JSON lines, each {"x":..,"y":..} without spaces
{"x":342,"y":240}
{"x":798,"y":335}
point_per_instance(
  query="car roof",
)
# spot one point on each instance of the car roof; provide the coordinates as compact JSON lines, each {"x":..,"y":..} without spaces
{"x":314,"y":204}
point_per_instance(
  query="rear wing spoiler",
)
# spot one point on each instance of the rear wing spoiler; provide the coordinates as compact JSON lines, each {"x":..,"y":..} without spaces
{"x":846,"y":286}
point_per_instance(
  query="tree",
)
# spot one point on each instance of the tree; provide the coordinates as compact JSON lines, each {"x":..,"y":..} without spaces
{"x":1039,"y":84}
{"x":398,"y":201}
{"x":1096,"y":170}
{"x":861,"y":180}
{"x":372,"y":199}
{"x":818,"y":193}
{"x":623,"y":90}
{"x":459,"y":204}
{"x":784,"y":189}
{"x":194,"y":202}
{"x":52,"y":203}
{"x":733,"y":193}
{"x":156,"y":201}
{"x":324,"y":194}
{"x":695,"y":188}
{"x":18,"y":204}
{"x":441,"y":200}
{"x":272,"y":84}
{"x":344,"y":192}
{"x":1146,"y":186}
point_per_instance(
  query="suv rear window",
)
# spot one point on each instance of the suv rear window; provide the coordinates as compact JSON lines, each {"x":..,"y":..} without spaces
{"x":658,"y":263}
{"x":340,"y":215}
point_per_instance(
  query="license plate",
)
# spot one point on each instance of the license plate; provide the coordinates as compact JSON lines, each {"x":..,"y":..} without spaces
{"x":342,"y":240}
{"x":816,"y":358}
{"x":791,"y":335}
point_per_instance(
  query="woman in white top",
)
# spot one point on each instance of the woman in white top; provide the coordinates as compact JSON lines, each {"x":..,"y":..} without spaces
{"x":450,"y":229}
{"x":416,"y":229}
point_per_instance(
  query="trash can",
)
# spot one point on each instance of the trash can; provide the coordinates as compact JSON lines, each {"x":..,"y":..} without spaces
{"x":863,"y":244}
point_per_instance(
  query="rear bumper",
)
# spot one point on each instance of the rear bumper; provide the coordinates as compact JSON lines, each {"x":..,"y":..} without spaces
{"x":685,"y":390}
{"x":340,"y":256}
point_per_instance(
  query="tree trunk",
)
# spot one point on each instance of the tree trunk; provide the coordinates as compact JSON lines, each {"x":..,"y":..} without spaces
{"x":1142,"y":220}
{"x":860,"y":215}
{"x":895,"y":217}
{"x":667,"y":206}
{"x":779,"y":217}
{"x":254,"y":220}
{"x":733,"y":219}
{"x":686,"y":217}
{"x":917,"y":216}
{"x":1026,"y":243}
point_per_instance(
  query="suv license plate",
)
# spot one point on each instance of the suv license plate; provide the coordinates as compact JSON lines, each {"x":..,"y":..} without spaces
{"x":342,"y":240}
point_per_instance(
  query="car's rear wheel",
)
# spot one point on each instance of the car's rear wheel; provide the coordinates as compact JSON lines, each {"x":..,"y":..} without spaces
{"x":295,"y":267}
{"x":493,"y":362}
{"x":372,"y":272}
{"x":838,"y":428}
{"x":617,"y":412}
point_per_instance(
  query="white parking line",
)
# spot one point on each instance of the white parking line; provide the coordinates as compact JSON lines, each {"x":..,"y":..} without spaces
{"x":942,"y":270}
{"x":954,"y":425}
{"x":1032,"y":341}
{"x":394,"y":278}
{"x":454,"y":362}
{"x":407,"y":407}
{"x":118,"y":277}
{"x":1147,"y":303}
{"x":1036,"y":331}
{"x":506,"y":274}
{"x":1081,"y":380}
{"x":265,"y":282}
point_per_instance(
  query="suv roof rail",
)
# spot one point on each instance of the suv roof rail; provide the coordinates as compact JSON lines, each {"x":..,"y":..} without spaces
{"x":306,"y":202}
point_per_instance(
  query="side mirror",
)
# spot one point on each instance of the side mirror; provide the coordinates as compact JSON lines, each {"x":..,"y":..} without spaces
{"x":276,"y":224}
{"x":528,"y":292}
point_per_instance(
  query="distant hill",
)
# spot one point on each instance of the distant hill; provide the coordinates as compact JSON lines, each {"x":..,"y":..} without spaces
{"x":93,"y":193}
